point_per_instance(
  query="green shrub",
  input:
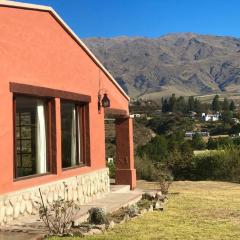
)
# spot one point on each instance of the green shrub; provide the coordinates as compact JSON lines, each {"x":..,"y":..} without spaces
{"x":97,"y":216}
{"x":112,"y":169}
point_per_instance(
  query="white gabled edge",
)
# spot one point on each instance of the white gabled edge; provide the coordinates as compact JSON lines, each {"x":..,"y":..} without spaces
{"x":70,"y":31}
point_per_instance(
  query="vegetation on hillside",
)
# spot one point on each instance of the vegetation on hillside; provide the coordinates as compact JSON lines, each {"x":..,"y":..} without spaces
{"x":170,"y":152}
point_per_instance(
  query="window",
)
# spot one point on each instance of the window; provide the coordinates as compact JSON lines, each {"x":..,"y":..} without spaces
{"x":73,"y":124}
{"x":31,"y":130}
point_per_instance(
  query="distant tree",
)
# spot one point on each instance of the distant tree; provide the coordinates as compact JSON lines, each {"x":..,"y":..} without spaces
{"x":173,"y":144}
{"x":225,"y":105}
{"x":172,"y":103}
{"x":191,"y":103}
{"x":156,"y":149}
{"x":165,"y":106}
{"x":181,"y":105}
{"x":235,"y":129}
{"x":227,"y":117}
{"x":197,"y":142}
{"x":187,"y":150}
{"x":232,"y":106}
{"x":216,"y":106}
{"x":205,"y":107}
{"x":212,"y":144}
{"x":197,"y":106}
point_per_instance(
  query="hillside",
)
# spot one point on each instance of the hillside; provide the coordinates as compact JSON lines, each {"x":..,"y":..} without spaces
{"x":184,"y":63}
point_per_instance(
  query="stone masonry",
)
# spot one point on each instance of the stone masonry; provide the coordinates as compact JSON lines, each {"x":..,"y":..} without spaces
{"x":82,"y":189}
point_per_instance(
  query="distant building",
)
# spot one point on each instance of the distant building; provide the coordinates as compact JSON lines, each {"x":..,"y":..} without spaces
{"x":192,"y":113}
{"x":210,"y":117}
{"x":136,"y":115}
{"x":235,"y":120}
{"x":191,"y":134}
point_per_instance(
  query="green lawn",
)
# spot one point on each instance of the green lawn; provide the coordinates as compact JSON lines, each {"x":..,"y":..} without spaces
{"x":196,"y":210}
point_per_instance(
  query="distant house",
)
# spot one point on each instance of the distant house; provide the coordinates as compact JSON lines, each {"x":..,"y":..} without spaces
{"x":192,"y":114}
{"x":235,"y":120}
{"x":136,"y":115}
{"x":191,"y":134}
{"x":210,"y":117}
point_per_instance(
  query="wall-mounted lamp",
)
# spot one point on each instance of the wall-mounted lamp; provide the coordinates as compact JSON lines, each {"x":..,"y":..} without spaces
{"x":103,"y":102}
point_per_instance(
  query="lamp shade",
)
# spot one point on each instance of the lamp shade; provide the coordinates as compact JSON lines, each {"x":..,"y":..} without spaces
{"x":105,"y":101}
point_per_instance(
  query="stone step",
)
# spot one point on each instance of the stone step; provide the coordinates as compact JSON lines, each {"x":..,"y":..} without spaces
{"x":120,"y":188}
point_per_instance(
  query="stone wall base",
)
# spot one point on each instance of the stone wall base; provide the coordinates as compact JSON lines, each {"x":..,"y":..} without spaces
{"x":82,"y":189}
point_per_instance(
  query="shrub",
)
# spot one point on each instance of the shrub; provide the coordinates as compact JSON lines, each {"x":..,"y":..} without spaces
{"x":58,"y":216}
{"x":132,"y":210}
{"x":97,"y":216}
{"x":112,"y":169}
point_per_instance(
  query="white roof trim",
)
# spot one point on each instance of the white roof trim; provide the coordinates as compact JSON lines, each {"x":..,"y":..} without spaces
{"x":69,"y":30}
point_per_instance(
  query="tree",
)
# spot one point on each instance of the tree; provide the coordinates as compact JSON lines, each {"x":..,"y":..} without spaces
{"x":165,"y":106}
{"x":156,"y":149}
{"x":232,"y":106}
{"x":227,"y":117}
{"x":225,"y":105}
{"x":235,"y":129}
{"x":197,"y":106}
{"x":191,"y":103}
{"x":197,"y":142}
{"x":216,"y":104}
{"x":172,"y":103}
{"x":212,"y":144}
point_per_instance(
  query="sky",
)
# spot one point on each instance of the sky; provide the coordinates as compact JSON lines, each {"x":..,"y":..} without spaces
{"x":148,"y":18}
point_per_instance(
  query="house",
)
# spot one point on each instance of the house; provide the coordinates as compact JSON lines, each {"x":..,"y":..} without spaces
{"x":211,"y":117}
{"x":235,"y":120}
{"x":136,"y":115}
{"x":191,"y":134}
{"x":54,"y":96}
{"x":192,"y":114}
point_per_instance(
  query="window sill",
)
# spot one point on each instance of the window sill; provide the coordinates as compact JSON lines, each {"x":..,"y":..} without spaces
{"x":74,"y":167}
{"x":32,"y":176}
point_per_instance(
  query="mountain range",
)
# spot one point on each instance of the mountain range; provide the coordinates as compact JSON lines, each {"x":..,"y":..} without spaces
{"x":181,"y":63}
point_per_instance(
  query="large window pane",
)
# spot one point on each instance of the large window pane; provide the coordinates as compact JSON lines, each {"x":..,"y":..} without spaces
{"x":31,"y":132}
{"x":71,"y":134}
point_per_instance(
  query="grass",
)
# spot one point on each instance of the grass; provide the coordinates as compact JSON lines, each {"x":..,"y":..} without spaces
{"x":207,"y":152}
{"x":196,"y":210}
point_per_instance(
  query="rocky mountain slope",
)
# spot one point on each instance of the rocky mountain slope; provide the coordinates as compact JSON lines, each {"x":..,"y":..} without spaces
{"x":184,"y":63}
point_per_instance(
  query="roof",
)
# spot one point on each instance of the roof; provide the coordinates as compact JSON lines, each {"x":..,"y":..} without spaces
{"x":69,"y":31}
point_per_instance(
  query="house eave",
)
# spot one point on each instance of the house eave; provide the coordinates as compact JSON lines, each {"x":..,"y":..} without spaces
{"x":69,"y":31}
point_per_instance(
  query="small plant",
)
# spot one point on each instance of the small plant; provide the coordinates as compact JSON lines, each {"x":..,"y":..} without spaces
{"x":97,"y":216}
{"x":58,"y":216}
{"x":132,"y":210}
{"x":144,"y":204}
{"x":164,"y":186}
{"x":112,"y":169}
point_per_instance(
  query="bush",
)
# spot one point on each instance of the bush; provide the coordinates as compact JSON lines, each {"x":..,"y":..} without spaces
{"x":97,"y":216}
{"x":223,"y":165}
{"x":112,"y":169}
{"x":58,"y":216}
{"x":132,"y":210}
{"x":144,"y":168}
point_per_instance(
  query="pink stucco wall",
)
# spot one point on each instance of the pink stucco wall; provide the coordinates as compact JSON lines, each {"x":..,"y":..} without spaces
{"x":36,"y":50}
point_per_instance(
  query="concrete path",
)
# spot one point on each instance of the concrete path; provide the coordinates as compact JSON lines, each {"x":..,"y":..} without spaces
{"x":32,"y":228}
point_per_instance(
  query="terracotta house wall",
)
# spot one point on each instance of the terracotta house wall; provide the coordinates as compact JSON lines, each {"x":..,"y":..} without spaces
{"x":36,"y":50}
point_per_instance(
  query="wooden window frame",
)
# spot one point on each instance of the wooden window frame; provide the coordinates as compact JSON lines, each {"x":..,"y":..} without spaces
{"x":51,"y":162}
{"x":51,"y":94}
{"x":31,"y":90}
{"x":82,"y":110}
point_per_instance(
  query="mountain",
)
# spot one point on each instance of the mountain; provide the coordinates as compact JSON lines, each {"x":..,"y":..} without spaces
{"x":183,"y":63}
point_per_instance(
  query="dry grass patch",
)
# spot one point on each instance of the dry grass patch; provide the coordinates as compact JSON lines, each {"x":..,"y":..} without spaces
{"x":195,"y":211}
